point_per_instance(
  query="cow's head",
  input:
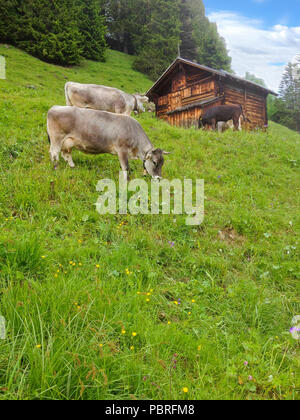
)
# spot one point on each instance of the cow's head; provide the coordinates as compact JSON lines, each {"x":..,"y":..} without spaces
{"x":140,"y":101}
{"x":154,"y":161}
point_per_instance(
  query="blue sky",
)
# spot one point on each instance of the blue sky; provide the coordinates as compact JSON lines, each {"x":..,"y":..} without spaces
{"x":271,"y":12}
{"x":261,"y":35}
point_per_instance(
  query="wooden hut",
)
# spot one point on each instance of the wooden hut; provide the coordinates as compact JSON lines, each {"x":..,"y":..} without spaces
{"x":187,"y":89}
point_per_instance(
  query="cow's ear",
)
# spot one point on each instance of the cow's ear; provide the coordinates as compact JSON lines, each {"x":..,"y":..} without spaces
{"x":149,"y":155}
{"x":166,"y":153}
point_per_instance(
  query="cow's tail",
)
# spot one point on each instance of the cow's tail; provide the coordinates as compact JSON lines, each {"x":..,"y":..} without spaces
{"x":68,"y":100}
{"x":49,"y":139}
{"x":244,"y":117}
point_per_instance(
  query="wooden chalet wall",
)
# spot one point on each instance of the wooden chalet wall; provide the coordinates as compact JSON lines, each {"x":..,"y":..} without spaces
{"x":254,"y":104}
{"x":188,"y":86}
{"x":187,"y":92}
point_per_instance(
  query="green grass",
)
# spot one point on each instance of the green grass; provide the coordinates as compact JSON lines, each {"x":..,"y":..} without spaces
{"x":239,"y":288}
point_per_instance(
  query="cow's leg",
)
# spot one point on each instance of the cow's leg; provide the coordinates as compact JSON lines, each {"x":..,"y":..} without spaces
{"x":236,"y":123}
{"x":214,"y":124}
{"x":124,"y":162}
{"x":67,"y":146}
{"x":54,"y":153}
{"x":68,"y":158}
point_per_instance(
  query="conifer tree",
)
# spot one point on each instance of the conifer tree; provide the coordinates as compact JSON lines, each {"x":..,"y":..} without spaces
{"x":289,"y":92}
{"x":286,"y":109}
{"x":91,"y":25}
{"x":160,"y":38}
{"x":200,"y":40}
{"x":57,"y":31}
{"x":191,"y":11}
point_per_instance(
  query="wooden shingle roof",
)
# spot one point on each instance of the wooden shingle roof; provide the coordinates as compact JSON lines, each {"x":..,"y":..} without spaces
{"x":221,"y":73}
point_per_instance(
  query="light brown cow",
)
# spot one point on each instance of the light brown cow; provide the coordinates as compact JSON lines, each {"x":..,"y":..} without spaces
{"x":103,"y":98}
{"x":99,"y":132}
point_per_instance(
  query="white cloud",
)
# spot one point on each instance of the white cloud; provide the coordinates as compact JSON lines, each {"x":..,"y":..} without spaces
{"x":263,"y":52}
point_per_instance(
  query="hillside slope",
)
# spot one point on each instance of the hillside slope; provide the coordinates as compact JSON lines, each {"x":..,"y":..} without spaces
{"x":100,"y":306}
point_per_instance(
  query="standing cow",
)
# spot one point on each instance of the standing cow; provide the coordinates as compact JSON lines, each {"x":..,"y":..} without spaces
{"x":103,"y":98}
{"x":99,"y":132}
{"x":223,"y":113}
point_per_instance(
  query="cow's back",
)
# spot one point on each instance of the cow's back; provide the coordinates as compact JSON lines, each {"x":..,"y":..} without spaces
{"x":98,"y":97}
{"x":87,"y":122}
{"x":94,"y":131}
{"x":222,"y":112}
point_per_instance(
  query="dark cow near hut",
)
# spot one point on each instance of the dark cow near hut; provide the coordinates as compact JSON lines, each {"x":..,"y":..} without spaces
{"x":223,"y":113}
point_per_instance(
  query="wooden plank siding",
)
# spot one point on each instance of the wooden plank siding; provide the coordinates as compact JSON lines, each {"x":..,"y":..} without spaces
{"x":254,"y":106}
{"x":181,"y":97}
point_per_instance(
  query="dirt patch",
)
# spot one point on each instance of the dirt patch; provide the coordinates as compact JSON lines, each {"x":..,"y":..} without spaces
{"x":231,"y":236}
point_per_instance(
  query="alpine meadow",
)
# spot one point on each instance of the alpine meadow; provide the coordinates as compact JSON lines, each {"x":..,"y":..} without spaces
{"x":144,"y":307}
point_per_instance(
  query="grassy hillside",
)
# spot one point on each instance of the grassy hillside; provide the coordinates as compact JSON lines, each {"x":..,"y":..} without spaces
{"x":90,"y":300}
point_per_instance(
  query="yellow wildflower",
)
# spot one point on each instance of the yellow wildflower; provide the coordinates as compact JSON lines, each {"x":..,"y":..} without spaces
{"x":185,"y":389}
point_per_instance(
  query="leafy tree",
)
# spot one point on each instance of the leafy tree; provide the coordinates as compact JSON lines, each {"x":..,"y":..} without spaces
{"x":253,"y":78}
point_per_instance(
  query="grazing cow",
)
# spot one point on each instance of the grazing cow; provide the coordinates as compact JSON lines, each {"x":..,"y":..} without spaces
{"x":222,"y":113}
{"x":103,"y":98}
{"x":99,"y":132}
